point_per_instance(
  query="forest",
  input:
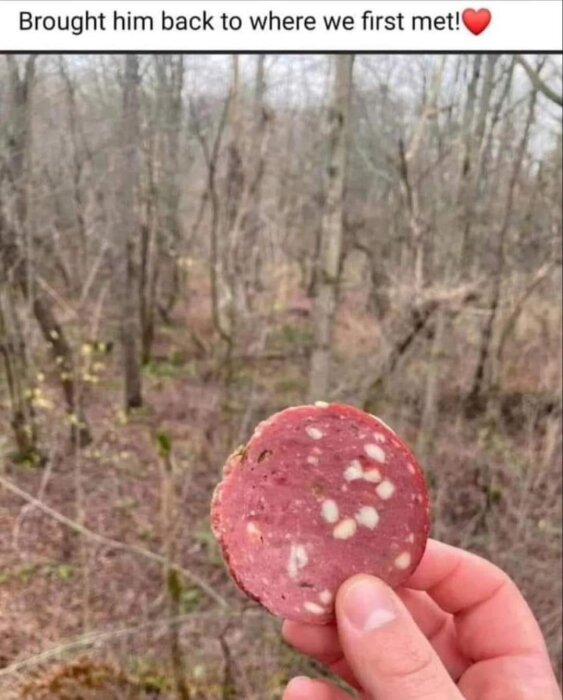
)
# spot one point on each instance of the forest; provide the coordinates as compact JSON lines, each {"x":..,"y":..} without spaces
{"x":189,"y":243}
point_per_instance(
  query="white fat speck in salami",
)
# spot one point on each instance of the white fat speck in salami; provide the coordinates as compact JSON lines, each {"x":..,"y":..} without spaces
{"x":305,"y":505}
{"x":313,"y":608}
{"x":375,"y":452}
{"x":314,"y":433}
{"x":329,"y":511}
{"x":253,"y":530}
{"x":385,"y":490}
{"x":367,"y":516}
{"x":403,"y":561}
{"x":345,"y":529}
{"x":373,"y":475}
{"x":298,"y":559}
{"x":354,"y":471}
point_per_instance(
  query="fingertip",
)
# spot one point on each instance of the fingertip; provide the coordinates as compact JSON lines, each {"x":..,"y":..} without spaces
{"x":299,"y":688}
{"x":303,"y":688}
{"x":386,"y":650}
{"x":366,"y":603}
{"x":350,"y":583}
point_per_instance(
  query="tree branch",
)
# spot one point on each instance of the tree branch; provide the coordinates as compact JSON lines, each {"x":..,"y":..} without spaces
{"x":538,"y":83}
{"x":113,"y":544}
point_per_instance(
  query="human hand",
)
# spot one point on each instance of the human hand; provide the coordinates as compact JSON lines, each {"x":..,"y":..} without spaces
{"x":461,"y":629}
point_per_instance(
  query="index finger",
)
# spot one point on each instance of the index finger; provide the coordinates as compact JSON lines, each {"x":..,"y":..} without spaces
{"x":491,"y":615}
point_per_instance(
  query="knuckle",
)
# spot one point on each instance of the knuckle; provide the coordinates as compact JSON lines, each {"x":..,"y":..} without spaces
{"x":413,"y":671}
{"x":411,"y":663}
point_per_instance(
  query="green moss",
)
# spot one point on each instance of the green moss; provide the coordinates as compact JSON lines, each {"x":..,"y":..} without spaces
{"x":164,"y":443}
{"x":163,"y":369}
{"x":206,"y":539}
{"x":290,"y":338}
{"x":190,"y":599}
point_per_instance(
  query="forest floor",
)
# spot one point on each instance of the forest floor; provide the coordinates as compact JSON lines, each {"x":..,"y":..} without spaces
{"x":100,"y":613}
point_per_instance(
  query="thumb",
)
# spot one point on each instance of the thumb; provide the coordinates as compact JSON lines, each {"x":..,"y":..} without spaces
{"x":388,"y":653}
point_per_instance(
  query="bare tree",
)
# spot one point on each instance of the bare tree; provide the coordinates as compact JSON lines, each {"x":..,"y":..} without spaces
{"x":332,"y":228}
{"x":159,"y":273}
{"x":484,"y":377}
{"x":408,"y":168}
{"x":170,"y":83}
{"x":475,"y":123}
{"x":211,"y":152}
{"x":16,"y":237}
{"x":127,"y":231}
{"x":14,"y":353}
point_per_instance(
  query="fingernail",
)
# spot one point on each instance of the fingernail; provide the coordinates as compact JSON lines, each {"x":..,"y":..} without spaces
{"x":299,"y":683}
{"x":368,"y":605}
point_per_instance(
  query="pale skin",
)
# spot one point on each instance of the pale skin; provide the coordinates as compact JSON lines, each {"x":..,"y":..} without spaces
{"x":459,"y":630}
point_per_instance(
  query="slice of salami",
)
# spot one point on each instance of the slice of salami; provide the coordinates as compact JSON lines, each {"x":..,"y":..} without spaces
{"x":318,"y":494}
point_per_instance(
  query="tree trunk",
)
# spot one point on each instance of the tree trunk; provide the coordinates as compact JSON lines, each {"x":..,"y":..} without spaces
{"x":465,"y":172}
{"x":62,"y":352}
{"x":170,"y":78}
{"x":236,"y":181}
{"x":79,"y":269}
{"x":429,"y":417}
{"x":480,"y":179}
{"x":483,"y":379}
{"x":211,"y":196}
{"x":252,"y":252}
{"x":128,"y":230}
{"x":13,"y":246}
{"x":332,"y":227}
{"x":14,"y":355}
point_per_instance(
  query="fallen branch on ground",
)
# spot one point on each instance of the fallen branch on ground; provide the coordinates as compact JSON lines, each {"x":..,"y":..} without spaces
{"x":415,"y":321}
{"x":113,"y":544}
{"x":99,"y":637}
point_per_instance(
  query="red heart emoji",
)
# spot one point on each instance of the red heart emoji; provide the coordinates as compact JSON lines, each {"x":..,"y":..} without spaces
{"x":476,"y":20}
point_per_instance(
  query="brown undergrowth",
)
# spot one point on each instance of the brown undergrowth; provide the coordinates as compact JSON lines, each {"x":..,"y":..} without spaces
{"x":82,"y":620}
